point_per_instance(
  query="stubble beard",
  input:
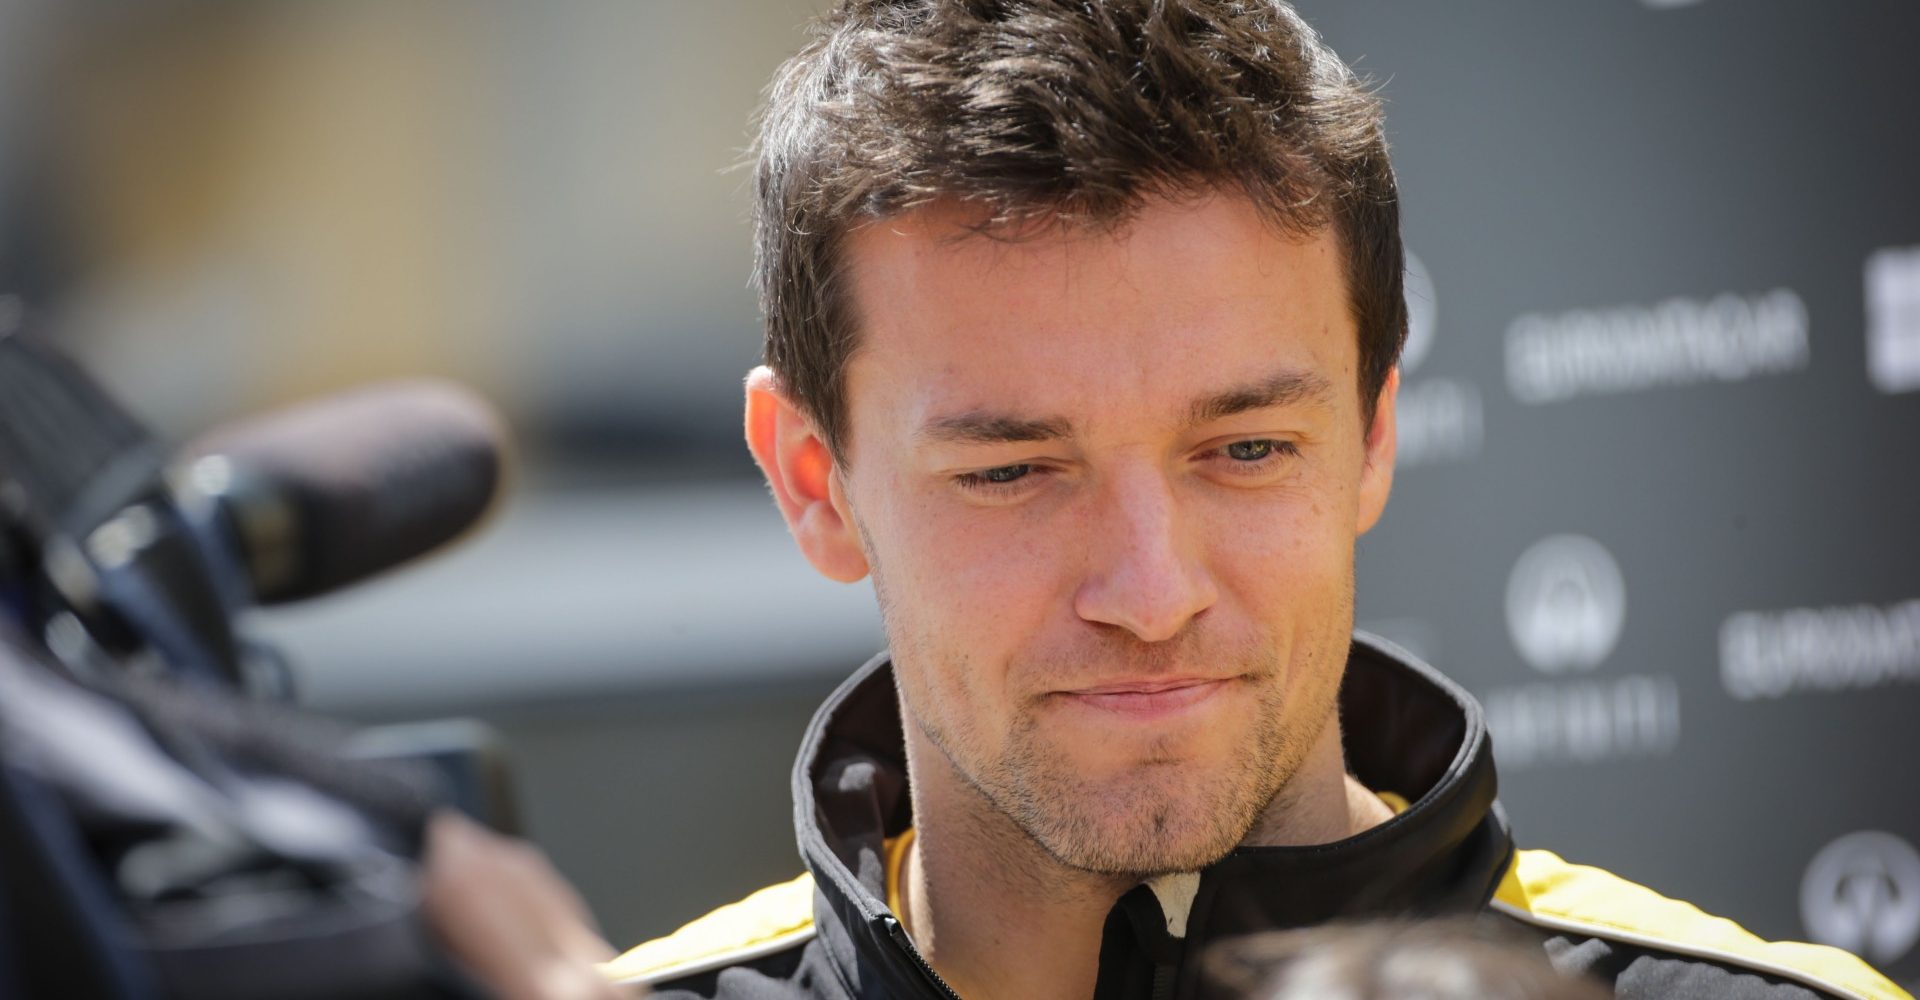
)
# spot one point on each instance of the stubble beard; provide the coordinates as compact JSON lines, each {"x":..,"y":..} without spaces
{"x":1163,"y":815}
{"x":1180,"y":822}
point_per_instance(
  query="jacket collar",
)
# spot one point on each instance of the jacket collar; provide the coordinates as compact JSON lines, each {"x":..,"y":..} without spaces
{"x":1406,"y":729}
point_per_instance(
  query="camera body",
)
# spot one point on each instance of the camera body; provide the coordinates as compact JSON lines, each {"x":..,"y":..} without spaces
{"x":169,"y":824}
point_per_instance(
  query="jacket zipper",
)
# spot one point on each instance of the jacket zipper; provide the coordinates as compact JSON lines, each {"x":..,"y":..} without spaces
{"x":899,"y":935}
{"x":1162,"y":988}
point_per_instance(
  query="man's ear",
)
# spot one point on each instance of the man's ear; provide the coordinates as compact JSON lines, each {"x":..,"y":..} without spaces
{"x":799,"y":468}
{"x":1376,"y":477}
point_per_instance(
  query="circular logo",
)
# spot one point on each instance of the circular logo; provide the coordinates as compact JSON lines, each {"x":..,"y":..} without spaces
{"x":1565,"y":604}
{"x":1862,"y":894}
{"x":1418,"y":289}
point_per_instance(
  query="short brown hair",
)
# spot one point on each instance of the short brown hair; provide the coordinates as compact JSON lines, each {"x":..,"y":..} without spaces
{"x":1068,"y":110}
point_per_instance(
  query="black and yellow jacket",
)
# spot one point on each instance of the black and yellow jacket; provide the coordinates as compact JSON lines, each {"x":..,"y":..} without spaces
{"x":1410,"y":733}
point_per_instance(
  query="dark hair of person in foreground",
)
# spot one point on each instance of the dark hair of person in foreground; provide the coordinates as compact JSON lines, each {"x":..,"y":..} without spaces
{"x":1452,"y":959}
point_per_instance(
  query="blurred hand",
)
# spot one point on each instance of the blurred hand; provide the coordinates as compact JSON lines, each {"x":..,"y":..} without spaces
{"x":509,"y":918}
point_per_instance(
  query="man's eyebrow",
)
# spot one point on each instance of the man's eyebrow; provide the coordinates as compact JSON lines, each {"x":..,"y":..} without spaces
{"x":980,"y":427}
{"x":1283,"y":388}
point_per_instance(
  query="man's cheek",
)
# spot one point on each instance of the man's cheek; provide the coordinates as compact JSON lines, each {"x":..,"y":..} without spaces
{"x":1281,"y":546}
{"x":987,"y":582}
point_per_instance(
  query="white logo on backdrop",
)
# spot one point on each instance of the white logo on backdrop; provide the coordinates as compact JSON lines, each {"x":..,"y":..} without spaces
{"x":1584,"y":721}
{"x":1589,"y":352}
{"x":1418,"y":289}
{"x":1862,"y":893}
{"x":1893,"y":319}
{"x":1767,"y":654}
{"x":1437,"y":419}
{"x":1566,"y":602}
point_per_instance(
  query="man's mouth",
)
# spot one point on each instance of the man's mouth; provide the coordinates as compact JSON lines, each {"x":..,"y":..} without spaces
{"x":1147,"y":699}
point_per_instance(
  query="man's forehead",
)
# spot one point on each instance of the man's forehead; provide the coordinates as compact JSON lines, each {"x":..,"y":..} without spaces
{"x":1191,"y":307}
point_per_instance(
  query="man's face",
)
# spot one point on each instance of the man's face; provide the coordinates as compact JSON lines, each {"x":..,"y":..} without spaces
{"x":1108,"y":485}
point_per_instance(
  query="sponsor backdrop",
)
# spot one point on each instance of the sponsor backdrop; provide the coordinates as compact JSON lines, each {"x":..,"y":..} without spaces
{"x":1659,"y":491}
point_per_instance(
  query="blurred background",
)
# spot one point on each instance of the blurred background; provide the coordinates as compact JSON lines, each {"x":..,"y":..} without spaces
{"x":1659,"y":503}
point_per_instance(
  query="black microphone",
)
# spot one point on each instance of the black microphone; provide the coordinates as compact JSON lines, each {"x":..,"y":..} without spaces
{"x":324,"y":494}
{"x":104,"y":558}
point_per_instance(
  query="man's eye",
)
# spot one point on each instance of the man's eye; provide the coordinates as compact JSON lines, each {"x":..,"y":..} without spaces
{"x":1256,"y":457}
{"x":988,"y":478}
{"x":1251,"y":451}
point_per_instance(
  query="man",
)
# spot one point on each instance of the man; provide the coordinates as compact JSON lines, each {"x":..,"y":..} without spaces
{"x":1082,"y":324}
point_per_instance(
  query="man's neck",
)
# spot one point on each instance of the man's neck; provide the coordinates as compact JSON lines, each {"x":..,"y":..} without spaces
{"x":1321,"y":804}
{"x":997,"y":921}
{"x":998,"y":917}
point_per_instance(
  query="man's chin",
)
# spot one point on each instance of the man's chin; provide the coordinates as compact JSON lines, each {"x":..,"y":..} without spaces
{"x":1167,"y":837}
{"x":1139,"y":859}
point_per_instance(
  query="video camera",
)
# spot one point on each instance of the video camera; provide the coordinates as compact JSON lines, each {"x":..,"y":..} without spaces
{"x":170,"y":826}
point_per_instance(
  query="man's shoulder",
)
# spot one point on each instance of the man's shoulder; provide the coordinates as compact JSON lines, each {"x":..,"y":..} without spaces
{"x":1650,"y":945}
{"x":762,"y":935}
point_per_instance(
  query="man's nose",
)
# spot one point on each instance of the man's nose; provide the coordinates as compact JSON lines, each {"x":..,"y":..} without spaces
{"x":1145,"y":573}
